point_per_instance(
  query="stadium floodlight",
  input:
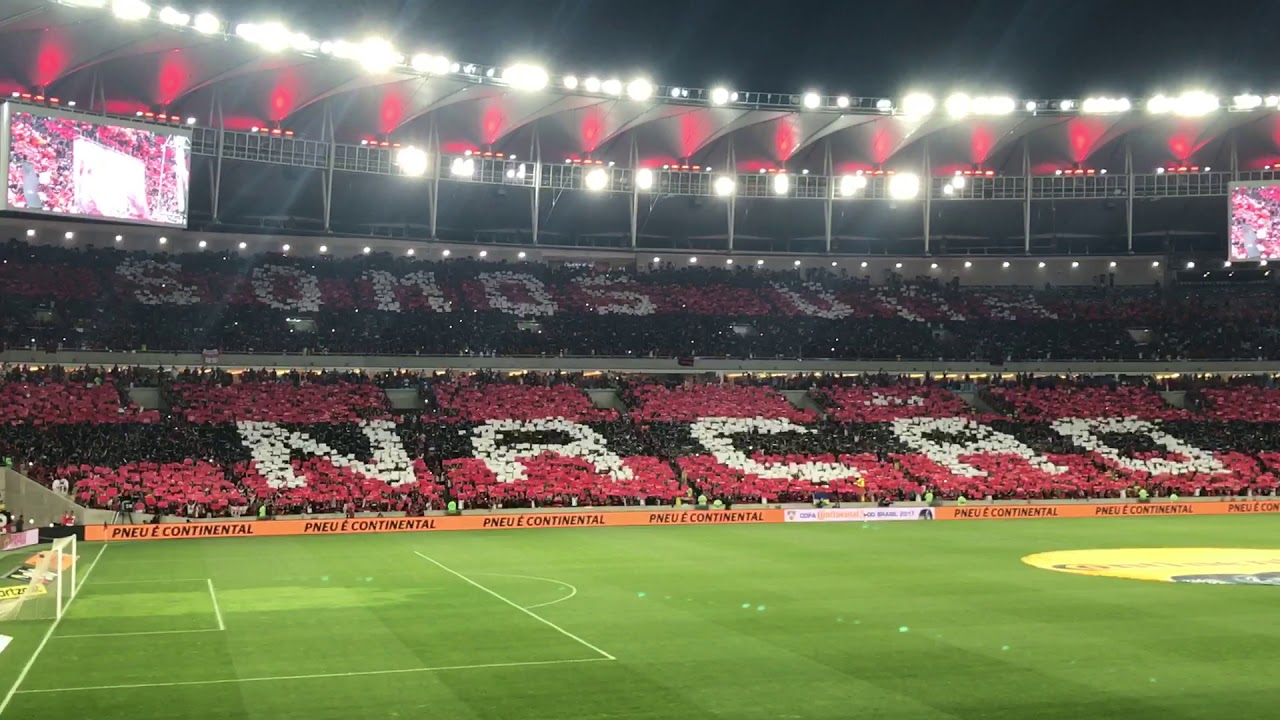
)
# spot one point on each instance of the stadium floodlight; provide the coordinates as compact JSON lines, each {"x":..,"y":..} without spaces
{"x":656,"y":259}
{"x":130,"y":9}
{"x":202,"y":245}
{"x":1005,"y":264}
{"x":644,"y":179}
{"x":781,"y":184}
{"x":639,"y":89}
{"x":759,"y":263}
{"x":191,"y":121}
{"x":377,"y":56}
{"x":243,"y":245}
{"x":933,"y":266}
{"x":410,"y":252}
{"x":570,"y":82}
{"x":884,"y":105}
{"x":429,"y":64}
{"x":864,"y":263}
{"x":522,"y":255}
{"x":957,"y":182}
{"x":1246,"y":102}
{"x":948,"y":190}
{"x":1030,"y":106}
{"x":272,"y":37}
{"x":462,"y":167}
{"x":1113,"y":264}
{"x":592,"y":84}
{"x":811,"y":100}
{"x":164,"y":240}
{"x":724,"y":186}
{"x":612,"y":86}
{"x":526,"y":77}
{"x":596,"y":180}
{"x":904,"y":186}
{"x":207,"y":24}
{"x":898,"y":265}
{"x":917,"y":105}
{"x":69,"y":235}
{"x":796,"y":263}
{"x":324,"y":249}
{"x":693,"y":260}
{"x":957,"y":105}
{"x":719,"y":96}
{"x":1075,"y":264}
{"x":851,"y":184}
{"x":1192,"y":103}
{"x":412,"y":161}
{"x":1155,"y":263}
{"x":1040,"y":265}
{"x":1191,"y":265}
{"x":842,"y":102}
{"x":968,"y":264}
{"x":285,"y":248}
{"x":1105,"y":105}
{"x":31,"y":232}
{"x":171,"y":16}
{"x":446,"y":252}
{"x":728,"y":261}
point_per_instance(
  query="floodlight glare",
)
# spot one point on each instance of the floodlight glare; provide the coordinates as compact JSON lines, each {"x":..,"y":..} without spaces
{"x":272,"y":37}
{"x":202,"y":245}
{"x":283,"y":248}
{"x":1105,"y":105}
{"x":1191,"y":265}
{"x":781,"y":184}
{"x":904,"y":186}
{"x":851,"y":184}
{"x":639,"y":89}
{"x":376,"y":55}
{"x":324,"y":249}
{"x":724,"y":186}
{"x":812,"y":100}
{"x":412,"y":161}
{"x":1192,"y":103}
{"x":995,"y":105}
{"x":207,"y":24}
{"x":612,"y":86}
{"x":842,"y":102}
{"x":170,"y":16}
{"x":462,"y":167}
{"x":429,"y":64}
{"x":957,"y":182}
{"x":522,"y":255}
{"x":32,"y":233}
{"x":1246,"y":102}
{"x":1030,"y":106}
{"x":69,"y":235}
{"x":1075,"y":264}
{"x":693,"y":259}
{"x":719,"y":96}
{"x":596,"y":180}
{"x":957,"y":105}
{"x":728,"y":261}
{"x":917,"y":105}
{"x":525,"y":77}
{"x":1004,"y":264}
{"x":592,"y":84}
{"x":130,"y":9}
{"x":570,"y":82}
{"x":243,"y":245}
{"x":644,"y":179}
{"x":948,"y":190}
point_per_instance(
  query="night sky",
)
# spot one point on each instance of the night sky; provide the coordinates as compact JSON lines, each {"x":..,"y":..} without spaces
{"x":1043,"y":48}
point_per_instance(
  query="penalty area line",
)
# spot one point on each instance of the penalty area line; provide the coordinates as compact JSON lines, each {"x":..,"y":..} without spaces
{"x":321,"y":676}
{"x":521,"y":608}
{"x":134,"y":634}
{"x":75,"y":591}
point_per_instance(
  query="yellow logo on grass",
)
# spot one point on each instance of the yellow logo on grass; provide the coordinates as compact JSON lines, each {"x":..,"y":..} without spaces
{"x":1210,"y":566}
{"x":14,"y":592}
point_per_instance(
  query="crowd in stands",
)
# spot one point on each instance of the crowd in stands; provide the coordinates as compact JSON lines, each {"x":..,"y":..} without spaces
{"x":262,"y":443}
{"x":52,"y":297}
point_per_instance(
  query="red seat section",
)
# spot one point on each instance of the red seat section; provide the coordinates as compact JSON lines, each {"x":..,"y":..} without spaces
{"x":658,"y":403}
{"x":477,"y":402}
{"x":55,"y":403}
{"x":283,"y":402}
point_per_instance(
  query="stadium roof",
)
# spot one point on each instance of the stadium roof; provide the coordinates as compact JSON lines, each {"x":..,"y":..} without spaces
{"x":88,"y":57}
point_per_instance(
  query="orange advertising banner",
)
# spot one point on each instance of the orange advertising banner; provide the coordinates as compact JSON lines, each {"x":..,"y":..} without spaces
{"x":344,"y":526}
{"x":1130,"y":509}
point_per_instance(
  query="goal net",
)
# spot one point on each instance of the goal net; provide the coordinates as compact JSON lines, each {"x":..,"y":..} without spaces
{"x":39,"y":581}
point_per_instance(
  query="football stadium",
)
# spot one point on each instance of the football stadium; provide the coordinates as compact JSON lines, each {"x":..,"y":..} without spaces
{"x":341,"y":377}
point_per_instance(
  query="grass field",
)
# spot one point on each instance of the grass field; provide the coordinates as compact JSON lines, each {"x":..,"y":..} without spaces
{"x":892,"y":620}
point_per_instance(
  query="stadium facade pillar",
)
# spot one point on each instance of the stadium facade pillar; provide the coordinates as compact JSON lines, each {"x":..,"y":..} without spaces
{"x":927,"y":180}
{"x":535,"y":201}
{"x":216,"y":189}
{"x":1235,"y":157}
{"x":433,"y":142}
{"x":635,"y":193}
{"x":327,"y":179}
{"x":1128,"y":198}
{"x":828,"y":171}
{"x":1026,"y":196}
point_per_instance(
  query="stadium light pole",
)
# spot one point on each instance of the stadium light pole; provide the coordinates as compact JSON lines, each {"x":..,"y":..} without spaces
{"x":217,"y":165}
{"x":330,"y":161}
{"x":828,"y":169}
{"x":928,"y":194}
{"x":635,"y":193}
{"x":1128,"y":199}
{"x":1026,"y":196}
{"x":433,"y":142}
{"x":535,"y":201}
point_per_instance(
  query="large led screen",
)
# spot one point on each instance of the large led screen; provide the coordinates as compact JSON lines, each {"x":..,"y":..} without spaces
{"x":1253,"y":220}
{"x":65,"y":164}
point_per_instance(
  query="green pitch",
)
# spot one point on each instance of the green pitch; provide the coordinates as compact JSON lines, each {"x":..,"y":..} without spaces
{"x":894,"y":620}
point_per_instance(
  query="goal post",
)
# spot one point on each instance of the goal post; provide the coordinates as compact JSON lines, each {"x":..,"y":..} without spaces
{"x":40,"y":582}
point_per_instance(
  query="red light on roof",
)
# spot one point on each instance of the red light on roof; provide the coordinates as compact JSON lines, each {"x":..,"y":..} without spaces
{"x":697,"y":167}
{"x":26,"y":96}
{"x":149,"y":114}
{"x":990,"y":173}
{"x":39,"y":97}
{"x":289,"y":133}
{"x":1090,"y":171}
{"x":55,"y":101}
{"x":1182,"y":168}
{"x":277,"y":131}
{"x":500,"y":155}
{"x":384,"y":143}
{"x":162,"y":116}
